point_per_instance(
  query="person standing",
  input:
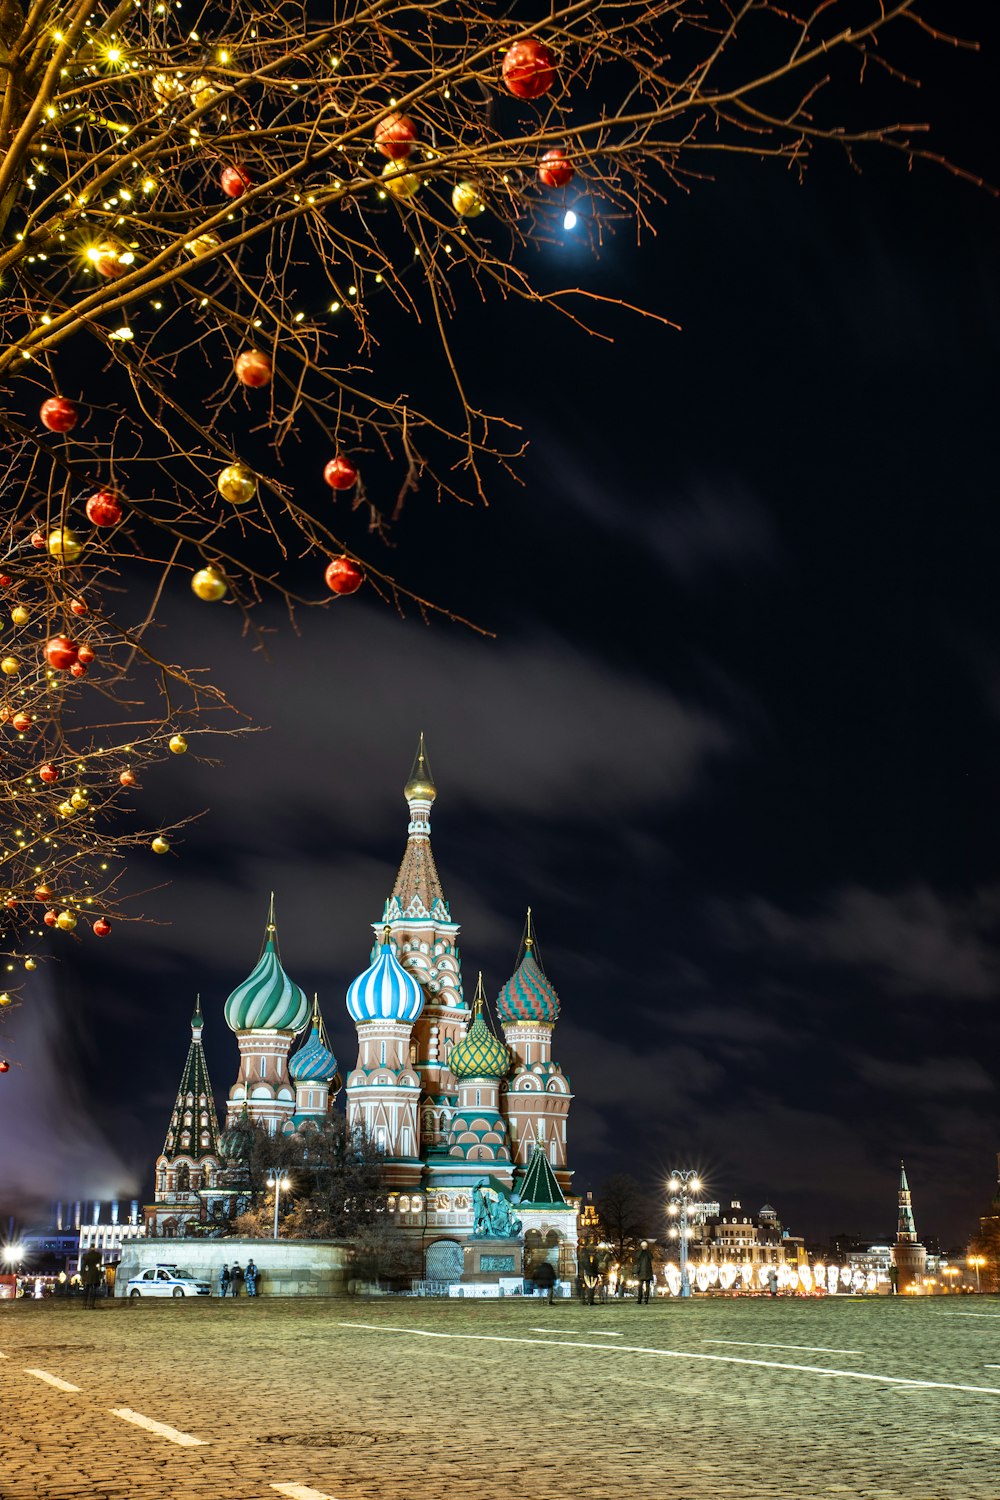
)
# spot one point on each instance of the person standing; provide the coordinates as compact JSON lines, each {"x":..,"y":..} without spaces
{"x":544,"y":1278}
{"x":250,"y":1277}
{"x":772,"y":1281}
{"x":91,"y":1275}
{"x":236,"y":1277}
{"x":644,"y":1272}
{"x":223,"y":1280}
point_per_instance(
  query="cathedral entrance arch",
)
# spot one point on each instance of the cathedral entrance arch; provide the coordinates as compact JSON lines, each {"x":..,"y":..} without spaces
{"x":445,"y":1261}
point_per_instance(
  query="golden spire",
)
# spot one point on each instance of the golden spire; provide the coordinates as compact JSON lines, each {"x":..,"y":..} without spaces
{"x":420,"y":783}
{"x":529,"y":932}
{"x":271,"y":924}
{"x":480,"y":1000}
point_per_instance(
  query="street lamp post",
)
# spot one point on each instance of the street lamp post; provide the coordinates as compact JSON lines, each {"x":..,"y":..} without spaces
{"x":683,"y":1187}
{"x":277,"y":1182}
{"x":977,"y":1261}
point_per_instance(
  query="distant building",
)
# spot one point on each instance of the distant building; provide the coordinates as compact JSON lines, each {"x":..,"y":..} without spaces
{"x":747,"y":1241}
{"x":909,"y":1256}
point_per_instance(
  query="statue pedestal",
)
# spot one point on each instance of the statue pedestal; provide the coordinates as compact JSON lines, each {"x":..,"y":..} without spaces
{"x":489,"y":1259}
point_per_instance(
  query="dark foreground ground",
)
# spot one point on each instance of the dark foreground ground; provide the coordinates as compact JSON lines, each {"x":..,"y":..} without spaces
{"x":414,"y":1400}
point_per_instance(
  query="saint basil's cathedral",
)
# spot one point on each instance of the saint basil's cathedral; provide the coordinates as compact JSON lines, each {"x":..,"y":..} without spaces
{"x":463,"y":1119}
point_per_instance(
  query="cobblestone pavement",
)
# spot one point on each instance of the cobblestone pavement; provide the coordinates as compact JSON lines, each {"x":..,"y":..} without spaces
{"x":406,"y":1399}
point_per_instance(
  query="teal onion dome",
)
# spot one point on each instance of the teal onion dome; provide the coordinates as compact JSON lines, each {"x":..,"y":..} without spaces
{"x":528,"y":995}
{"x":479,"y":1054}
{"x":385,"y":991}
{"x":267,"y":1000}
{"x":236,"y":1142}
{"x":313,"y":1062}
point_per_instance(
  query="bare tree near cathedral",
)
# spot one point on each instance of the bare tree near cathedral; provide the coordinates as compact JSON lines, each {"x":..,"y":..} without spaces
{"x":244,"y":243}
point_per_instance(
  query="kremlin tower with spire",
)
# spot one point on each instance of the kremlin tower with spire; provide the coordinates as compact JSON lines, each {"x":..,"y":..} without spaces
{"x":909,"y":1257}
{"x":466,"y":1123}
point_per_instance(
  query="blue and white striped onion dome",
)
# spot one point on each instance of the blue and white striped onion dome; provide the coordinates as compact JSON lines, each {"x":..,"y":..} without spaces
{"x":385,"y":991}
{"x":314,"y":1062}
{"x":267,"y":1000}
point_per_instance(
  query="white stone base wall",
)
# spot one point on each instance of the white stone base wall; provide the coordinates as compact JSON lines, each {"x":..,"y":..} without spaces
{"x":288,"y":1268}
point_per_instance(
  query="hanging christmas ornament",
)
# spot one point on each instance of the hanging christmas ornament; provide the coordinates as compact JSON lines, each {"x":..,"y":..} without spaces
{"x":127,"y":778}
{"x":11,"y":903}
{"x":253,"y":369}
{"x":202,"y":92}
{"x":19,"y":615}
{"x":43,"y":893}
{"x":555,"y":169}
{"x":340,"y":473}
{"x":102,"y":927}
{"x":110,"y":259}
{"x":60,"y":652}
{"x":48,"y":773}
{"x":160,"y":845}
{"x":78,"y":606}
{"x":79,"y":800}
{"x":343,"y":576}
{"x":50,"y":918}
{"x":30,"y":965}
{"x":209,"y":584}
{"x":10,"y":666}
{"x":21,"y":721}
{"x":66,"y":921}
{"x":167,"y":86}
{"x":65,"y":810}
{"x":39,"y":540}
{"x":399,"y":184}
{"x":63,"y":545}
{"x":395,"y":135}
{"x":235,"y":181}
{"x":78,"y":669}
{"x":237,"y":484}
{"x":58,"y":414}
{"x":4,"y":1065}
{"x":177,"y":744}
{"x":529,"y":68}
{"x":5,"y":999}
{"x":104,"y":508}
{"x":86,"y":655}
{"x":202,"y":244}
{"x":466,"y":200}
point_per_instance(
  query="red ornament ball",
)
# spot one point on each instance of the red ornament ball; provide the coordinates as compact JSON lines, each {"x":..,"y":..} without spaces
{"x":340,"y":473}
{"x":555,"y":170}
{"x":343,"y":576}
{"x":529,"y":68}
{"x":234,"y":181}
{"x":60,"y":652}
{"x":48,"y":773}
{"x":11,"y":903}
{"x":39,"y":540}
{"x":85,"y":654}
{"x":21,"y":722}
{"x":109,"y":263}
{"x":102,"y":927}
{"x":42,"y":893}
{"x":78,"y":606}
{"x":58,"y":414}
{"x":395,"y":135}
{"x":104,"y":508}
{"x":4,"y":580}
{"x":78,"y":669}
{"x":253,"y":369}
{"x":50,"y":918}
{"x":127,"y":778}
{"x":4,"y":1065}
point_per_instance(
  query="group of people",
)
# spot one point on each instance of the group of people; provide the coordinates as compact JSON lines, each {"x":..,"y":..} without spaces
{"x":594,"y":1275}
{"x":232,"y":1279}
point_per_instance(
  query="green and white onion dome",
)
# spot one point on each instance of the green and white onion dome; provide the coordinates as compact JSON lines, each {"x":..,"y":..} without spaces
{"x":385,"y":991}
{"x":314,"y":1062}
{"x":528,"y":995}
{"x":479,"y":1054}
{"x":267,"y":1000}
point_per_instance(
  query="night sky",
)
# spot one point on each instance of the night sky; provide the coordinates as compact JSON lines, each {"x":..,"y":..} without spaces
{"x":736,"y":740}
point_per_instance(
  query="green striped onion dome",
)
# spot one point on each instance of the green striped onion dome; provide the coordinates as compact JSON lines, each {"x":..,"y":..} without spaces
{"x":267,"y":1000}
{"x":528,"y":995}
{"x":479,"y":1054}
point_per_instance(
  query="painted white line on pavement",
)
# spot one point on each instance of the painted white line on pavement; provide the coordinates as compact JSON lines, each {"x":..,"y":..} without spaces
{"x":965,"y":1315}
{"x":182,"y":1439}
{"x":805,"y":1348}
{"x":300,"y":1492}
{"x":719,"y":1359}
{"x":597,"y":1333}
{"x":60,"y":1385}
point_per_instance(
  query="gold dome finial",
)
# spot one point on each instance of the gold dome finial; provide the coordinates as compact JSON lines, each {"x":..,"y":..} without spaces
{"x":420,"y":783}
{"x":480,"y":1000}
{"x":272,"y":925}
{"x":529,"y":935}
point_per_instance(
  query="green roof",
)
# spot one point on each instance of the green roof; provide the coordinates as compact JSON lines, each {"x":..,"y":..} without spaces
{"x":540,"y":1188}
{"x":194,"y":1127}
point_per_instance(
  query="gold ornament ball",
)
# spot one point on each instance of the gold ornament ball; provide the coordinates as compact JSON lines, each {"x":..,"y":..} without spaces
{"x":10,"y":666}
{"x":5,"y":998}
{"x":160,"y":845}
{"x":20,"y":615}
{"x":167,"y":86}
{"x":202,"y":92}
{"x":66,"y":921}
{"x":236,"y":484}
{"x":399,"y":184}
{"x":79,"y":801}
{"x":177,"y":745}
{"x":209,"y":584}
{"x":30,"y":965}
{"x":64,"y":545}
{"x":466,"y":200}
{"x":202,"y":244}
{"x":65,"y":810}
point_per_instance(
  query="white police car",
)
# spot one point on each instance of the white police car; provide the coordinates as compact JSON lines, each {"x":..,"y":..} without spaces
{"x":168,"y":1281}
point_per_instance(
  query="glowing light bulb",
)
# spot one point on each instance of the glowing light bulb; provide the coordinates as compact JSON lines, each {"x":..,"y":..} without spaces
{"x":569,"y":219}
